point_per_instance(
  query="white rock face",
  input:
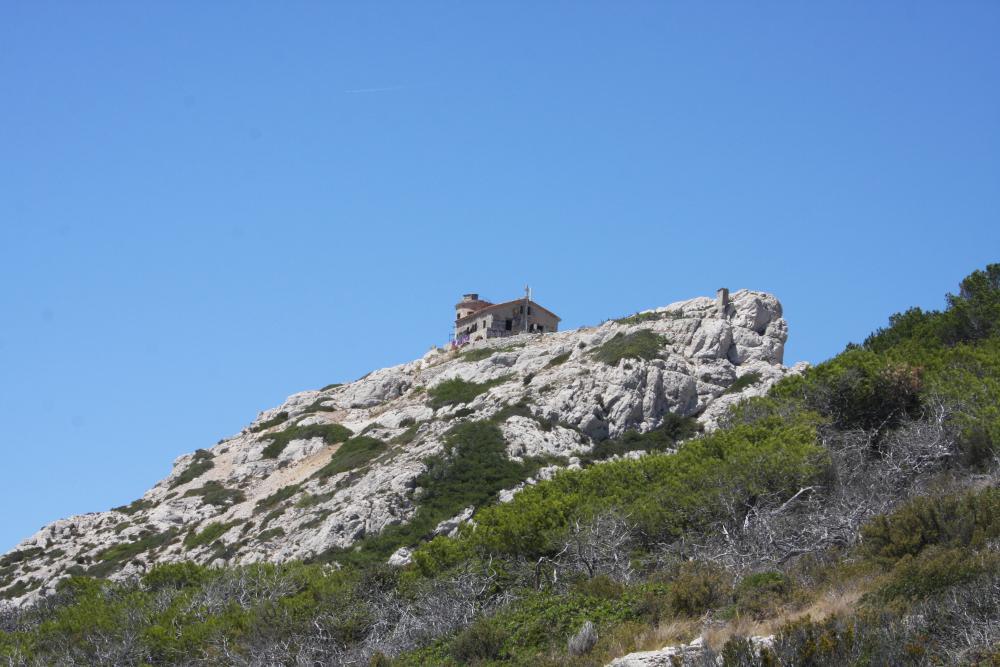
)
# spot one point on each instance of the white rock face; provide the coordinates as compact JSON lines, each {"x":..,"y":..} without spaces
{"x":567,"y":399}
{"x":683,"y":654}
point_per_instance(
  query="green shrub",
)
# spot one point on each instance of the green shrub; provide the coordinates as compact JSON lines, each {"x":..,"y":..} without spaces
{"x":200,"y":464}
{"x":857,"y":389}
{"x":21,"y":555}
{"x":116,"y":556}
{"x":175,"y":576}
{"x":331,"y":433}
{"x":134,"y":506}
{"x":472,"y":470}
{"x":934,"y":570}
{"x":759,"y":595}
{"x":317,"y":406}
{"x":214,"y":493}
{"x":557,"y":360}
{"x":641,"y":344}
{"x":480,"y":641}
{"x":353,"y":454}
{"x":210,"y":533}
{"x":969,"y":520}
{"x":742,"y":382}
{"x":270,"y":534}
{"x":672,"y":429}
{"x":650,"y":316}
{"x":279,"y":418}
{"x":478,"y":354}
{"x":698,"y":587}
{"x":279,"y":496}
{"x":457,"y":391}
{"x":664,"y":495}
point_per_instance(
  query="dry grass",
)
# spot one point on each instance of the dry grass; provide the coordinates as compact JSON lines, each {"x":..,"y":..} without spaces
{"x":832,"y":602}
{"x":631,"y":638}
{"x":646,"y":638}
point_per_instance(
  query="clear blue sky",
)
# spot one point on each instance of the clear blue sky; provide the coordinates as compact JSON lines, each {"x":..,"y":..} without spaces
{"x":205,"y":207}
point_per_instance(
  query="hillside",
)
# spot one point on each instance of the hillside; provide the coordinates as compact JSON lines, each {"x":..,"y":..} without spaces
{"x":330,"y":467}
{"x":658,"y":490}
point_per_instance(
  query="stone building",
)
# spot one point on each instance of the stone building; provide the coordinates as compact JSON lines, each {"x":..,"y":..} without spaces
{"x":476,"y":319}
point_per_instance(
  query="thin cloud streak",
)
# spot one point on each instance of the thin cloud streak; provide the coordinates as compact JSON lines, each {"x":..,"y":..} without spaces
{"x":383,"y":89}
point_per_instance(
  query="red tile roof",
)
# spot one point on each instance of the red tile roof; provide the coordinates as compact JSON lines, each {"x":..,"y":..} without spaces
{"x":497,"y":306}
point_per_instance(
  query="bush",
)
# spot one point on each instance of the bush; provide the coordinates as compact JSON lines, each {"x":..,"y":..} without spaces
{"x":279,"y":496}
{"x":174,"y":576}
{"x":353,"y":454}
{"x":279,"y":418}
{"x":478,"y":354}
{"x":210,"y":533}
{"x":457,"y":391}
{"x":672,"y":429}
{"x":557,"y":360}
{"x":699,"y":587}
{"x":641,"y":344}
{"x":759,"y":595}
{"x":480,"y":641}
{"x":936,"y":569}
{"x":331,"y":433}
{"x":135,"y":506}
{"x":968,"y":520}
{"x":857,"y":389}
{"x":214,"y":493}
{"x":664,"y":495}
{"x":742,"y":382}
{"x":200,"y":464}
{"x":113,"y":558}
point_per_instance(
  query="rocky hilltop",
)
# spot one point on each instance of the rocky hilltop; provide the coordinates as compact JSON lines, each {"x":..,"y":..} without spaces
{"x":329,"y":467}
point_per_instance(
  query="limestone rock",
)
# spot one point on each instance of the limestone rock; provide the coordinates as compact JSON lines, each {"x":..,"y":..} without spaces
{"x":292,"y":506}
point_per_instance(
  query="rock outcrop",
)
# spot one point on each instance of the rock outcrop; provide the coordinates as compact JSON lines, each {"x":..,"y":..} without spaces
{"x":273,"y":493}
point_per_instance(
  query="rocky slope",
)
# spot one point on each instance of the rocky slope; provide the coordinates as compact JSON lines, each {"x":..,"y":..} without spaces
{"x":288,"y":486}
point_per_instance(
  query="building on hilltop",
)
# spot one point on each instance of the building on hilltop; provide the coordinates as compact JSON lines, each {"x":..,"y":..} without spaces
{"x":476,"y":319}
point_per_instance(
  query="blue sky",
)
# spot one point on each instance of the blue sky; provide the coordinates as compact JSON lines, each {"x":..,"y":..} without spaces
{"x":205,"y":207}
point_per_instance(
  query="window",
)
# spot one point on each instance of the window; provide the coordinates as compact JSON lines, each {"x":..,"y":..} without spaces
{"x":529,"y":310}
{"x":508,"y":325}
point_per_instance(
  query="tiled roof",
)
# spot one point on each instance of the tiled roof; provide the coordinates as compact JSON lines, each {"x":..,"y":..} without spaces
{"x":497,"y":306}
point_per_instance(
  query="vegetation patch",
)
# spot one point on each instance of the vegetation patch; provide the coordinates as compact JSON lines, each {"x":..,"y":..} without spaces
{"x":331,"y":433}
{"x":457,"y":391}
{"x":279,"y":496}
{"x":353,"y":454}
{"x":472,"y":470}
{"x":279,"y":418}
{"x":557,"y":360}
{"x":742,"y":382}
{"x":134,"y":506}
{"x":332,"y":386}
{"x":270,"y":534}
{"x":113,"y":558}
{"x":641,"y":344}
{"x":21,"y":555}
{"x":317,"y":406}
{"x":200,"y":464}
{"x":640,"y":318}
{"x":209,"y":534}
{"x":214,"y":493}
{"x":478,"y":354}
{"x":672,"y":429}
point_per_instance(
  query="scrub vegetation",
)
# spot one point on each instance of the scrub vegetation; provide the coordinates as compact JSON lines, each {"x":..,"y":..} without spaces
{"x":853,"y":513}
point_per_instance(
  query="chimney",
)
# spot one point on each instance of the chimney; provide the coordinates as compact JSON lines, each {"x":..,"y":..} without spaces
{"x":722,"y":301}
{"x":472,"y":296}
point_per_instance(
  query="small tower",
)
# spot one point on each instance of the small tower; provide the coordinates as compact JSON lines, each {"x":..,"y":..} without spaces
{"x":722,"y":302}
{"x":469,"y":304}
